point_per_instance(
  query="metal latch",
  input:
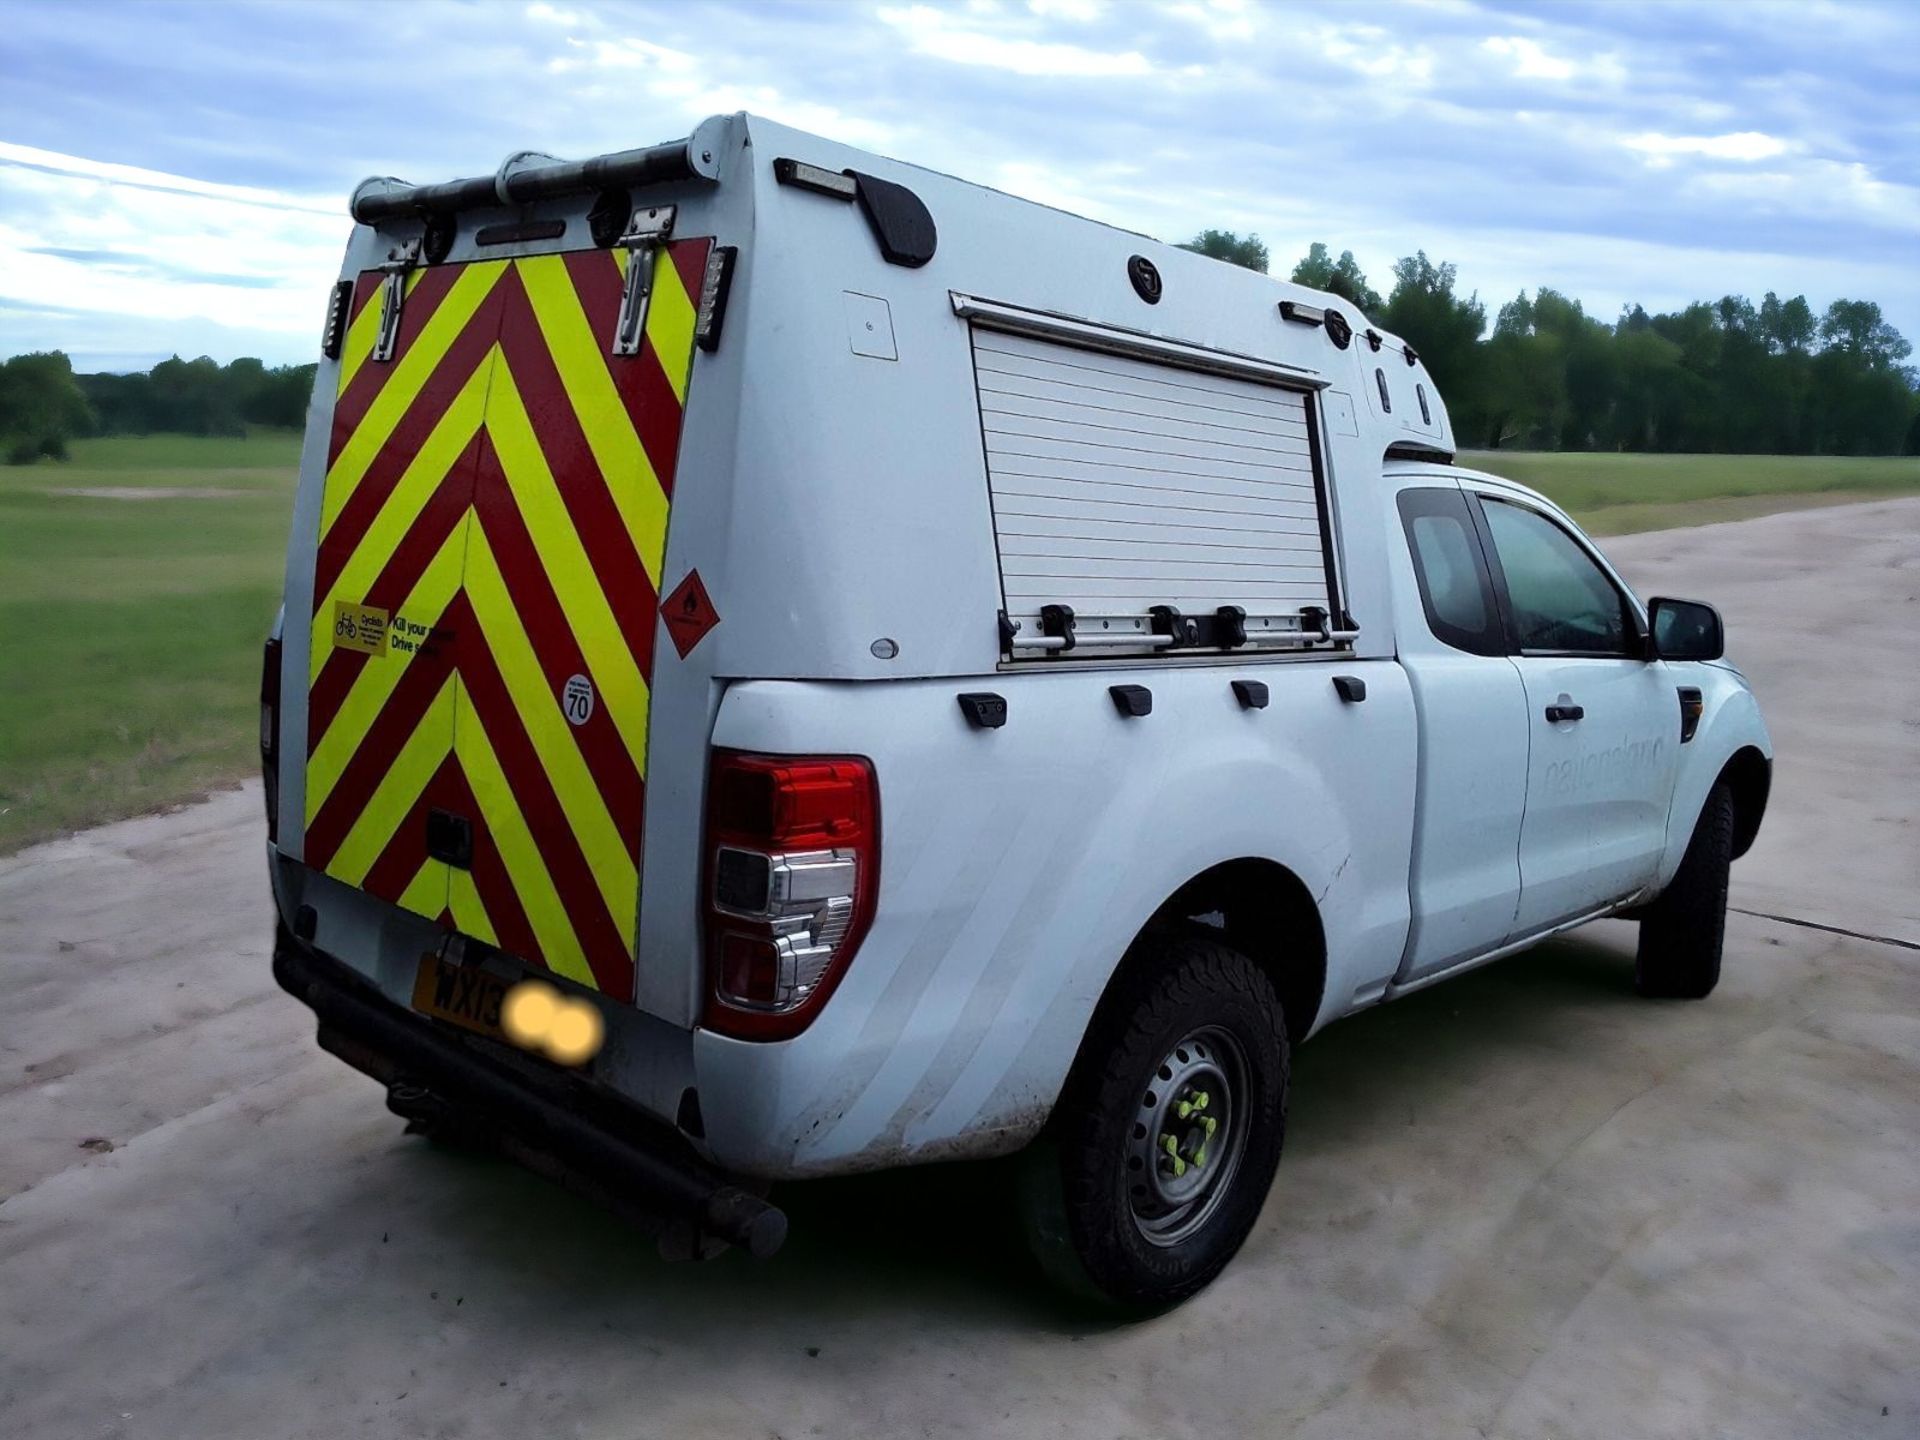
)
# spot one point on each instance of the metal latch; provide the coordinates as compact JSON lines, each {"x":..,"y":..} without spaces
{"x":401,"y":261}
{"x":645,"y":234}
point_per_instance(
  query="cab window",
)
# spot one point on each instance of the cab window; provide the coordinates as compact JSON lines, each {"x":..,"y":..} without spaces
{"x":1455,"y":590}
{"x":1559,"y":599}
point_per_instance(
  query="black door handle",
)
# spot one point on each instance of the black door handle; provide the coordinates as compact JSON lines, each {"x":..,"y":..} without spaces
{"x":1557,"y":713}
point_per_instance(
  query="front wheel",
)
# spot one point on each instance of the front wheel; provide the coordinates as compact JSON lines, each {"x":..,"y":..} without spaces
{"x":1682,"y":932}
{"x":1165,"y":1140}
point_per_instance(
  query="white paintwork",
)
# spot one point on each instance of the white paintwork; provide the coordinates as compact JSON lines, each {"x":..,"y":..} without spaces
{"x":1597,"y":788}
{"x":836,"y":486}
{"x":1018,"y":865}
{"x":1472,"y":794}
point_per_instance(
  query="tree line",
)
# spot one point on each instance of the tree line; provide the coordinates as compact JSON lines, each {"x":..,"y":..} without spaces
{"x":1726,"y":375}
{"x":44,"y":405}
{"x":1723,"y":376}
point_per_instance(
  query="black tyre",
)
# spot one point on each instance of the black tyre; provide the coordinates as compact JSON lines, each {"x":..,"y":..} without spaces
{"x":1682,"y":932}
{"x":1164,"y":1142}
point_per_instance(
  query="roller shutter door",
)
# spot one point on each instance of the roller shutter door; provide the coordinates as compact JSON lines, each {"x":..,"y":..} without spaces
{"x":1119,"y":484}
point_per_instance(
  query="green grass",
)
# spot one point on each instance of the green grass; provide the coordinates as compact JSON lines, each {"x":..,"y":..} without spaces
{"x":130,"y":629}
{"x":1615,"y":494}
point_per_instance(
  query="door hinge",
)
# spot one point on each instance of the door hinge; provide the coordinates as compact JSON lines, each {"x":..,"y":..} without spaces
{"x":645,"y":234}
{"x":401,"y":261}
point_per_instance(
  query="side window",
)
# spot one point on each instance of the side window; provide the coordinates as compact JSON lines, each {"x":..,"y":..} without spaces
{"x":1455,"y":590}
{"x":1560,"y":599}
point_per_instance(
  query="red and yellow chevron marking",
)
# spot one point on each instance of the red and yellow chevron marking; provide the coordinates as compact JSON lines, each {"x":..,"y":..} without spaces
{"x":492,"y":527}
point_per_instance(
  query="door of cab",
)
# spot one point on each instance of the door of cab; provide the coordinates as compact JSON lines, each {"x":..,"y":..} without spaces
{"x":1603,"y":721}
{"x":486,"y":595}
{"x":1472,"y":794}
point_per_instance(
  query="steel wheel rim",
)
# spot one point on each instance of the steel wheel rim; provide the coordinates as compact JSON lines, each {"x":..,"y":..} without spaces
{"x":1187,"y":1136}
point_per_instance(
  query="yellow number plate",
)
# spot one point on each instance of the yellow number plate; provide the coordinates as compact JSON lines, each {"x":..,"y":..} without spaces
{"x":461,"y":994}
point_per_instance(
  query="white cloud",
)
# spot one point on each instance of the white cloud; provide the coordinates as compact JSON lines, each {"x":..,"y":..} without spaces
{"x":626,"y":52}
{"x":1744,"y":145}
{"x":1531,"y":60}
{"x":1850,"y":191}
{"x":1367,"y":49}
{"x":126,"y":245}
{"x":1658,"y":153}
{"x":1082,"y":11}
{"x":27,"y":157}
{"x":933,"y":32}
{"x":1220,"y":19}
{"x":553,"y":15}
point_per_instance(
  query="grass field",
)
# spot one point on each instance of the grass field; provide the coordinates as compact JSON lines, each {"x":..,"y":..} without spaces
{"x":1618,"y":494}
{"x":131,"y":617}
{"x":130,"y":628}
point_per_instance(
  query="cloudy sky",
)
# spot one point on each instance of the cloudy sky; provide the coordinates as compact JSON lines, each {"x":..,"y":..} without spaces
{"x":173,"y":176}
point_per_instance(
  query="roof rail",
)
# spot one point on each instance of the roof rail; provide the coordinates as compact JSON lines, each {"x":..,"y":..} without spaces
{"x":527,"y":176}
{"x":1413,"y":450}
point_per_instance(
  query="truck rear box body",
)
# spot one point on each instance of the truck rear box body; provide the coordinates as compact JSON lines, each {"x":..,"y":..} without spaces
{"x":485,"y":586}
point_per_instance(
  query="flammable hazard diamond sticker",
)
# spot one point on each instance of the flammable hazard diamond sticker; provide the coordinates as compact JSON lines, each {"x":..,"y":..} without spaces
{"x":689,"y":613}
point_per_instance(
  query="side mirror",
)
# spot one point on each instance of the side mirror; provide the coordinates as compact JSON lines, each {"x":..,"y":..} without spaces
{"x":1686,"y":630}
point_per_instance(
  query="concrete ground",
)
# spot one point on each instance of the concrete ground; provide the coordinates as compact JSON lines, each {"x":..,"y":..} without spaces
{"x":1522,"y":1204}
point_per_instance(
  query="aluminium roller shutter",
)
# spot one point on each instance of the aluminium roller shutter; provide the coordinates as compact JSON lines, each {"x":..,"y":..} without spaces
{"x":1119,"y":484}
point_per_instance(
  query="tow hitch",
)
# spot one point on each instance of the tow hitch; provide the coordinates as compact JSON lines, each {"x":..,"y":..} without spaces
{"x":642,"y":1171}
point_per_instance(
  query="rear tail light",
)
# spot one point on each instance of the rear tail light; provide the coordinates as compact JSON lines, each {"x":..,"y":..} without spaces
{"x":270,"y":734}
{"x":792,"y":868}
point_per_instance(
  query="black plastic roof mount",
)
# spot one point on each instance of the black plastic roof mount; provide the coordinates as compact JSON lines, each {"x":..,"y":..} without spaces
{"x":1144,"y":276}
{"x":899,"y":220}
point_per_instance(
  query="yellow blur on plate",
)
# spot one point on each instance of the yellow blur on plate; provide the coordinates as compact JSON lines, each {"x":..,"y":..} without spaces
{"x":576,"y":1033}
{"x":536,"y":1016}
{"x":527,"y":1013}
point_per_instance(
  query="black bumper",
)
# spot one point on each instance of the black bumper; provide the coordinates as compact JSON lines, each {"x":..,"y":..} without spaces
{"x":560,"y":1127}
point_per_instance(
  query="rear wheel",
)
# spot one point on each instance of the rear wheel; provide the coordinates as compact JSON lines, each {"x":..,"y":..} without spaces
{"x":1164,"y":1143}
{"x":1682,"y":932}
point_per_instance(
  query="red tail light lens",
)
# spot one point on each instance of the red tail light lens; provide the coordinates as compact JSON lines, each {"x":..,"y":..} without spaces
{"x":793,"y":866}
{"x":270,"y":734}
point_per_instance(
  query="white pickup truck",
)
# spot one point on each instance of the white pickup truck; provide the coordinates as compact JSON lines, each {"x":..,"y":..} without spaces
{"x":793,"y":663}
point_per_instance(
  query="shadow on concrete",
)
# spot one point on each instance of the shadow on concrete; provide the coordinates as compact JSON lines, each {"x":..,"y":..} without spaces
{"x":945,"y":1239}
{"x":1458,"y":1035}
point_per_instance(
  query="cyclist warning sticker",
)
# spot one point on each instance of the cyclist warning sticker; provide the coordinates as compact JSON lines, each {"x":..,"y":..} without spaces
{"x":359,"y":627}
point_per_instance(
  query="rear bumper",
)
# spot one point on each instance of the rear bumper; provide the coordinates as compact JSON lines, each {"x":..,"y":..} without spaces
{"x":554,"y":1123}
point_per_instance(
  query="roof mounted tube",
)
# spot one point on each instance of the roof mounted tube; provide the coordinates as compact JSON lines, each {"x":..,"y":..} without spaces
{"x":522,"y":179}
